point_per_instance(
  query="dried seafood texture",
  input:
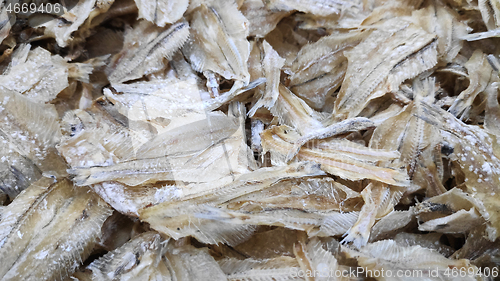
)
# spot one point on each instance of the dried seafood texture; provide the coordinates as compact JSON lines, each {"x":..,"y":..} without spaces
{"x":392,"y":223}
{"x":159,"y":102}
{"x":141,"y":258}
{"x":321,"y":224}
{"x":78,"y":17}
{"x":313,"y":258}
{"x":29,"y":132}
{"x":36,"y":74}
{"x":144,"y":49}
{"x":379,"y":200}
{"x":341,"y":158}
{"x":308,"y":194}
{"x":216,"y":150}
{"x":190,"y":263}
{"x":490,"y":12}
{"x":271,"y":65}
{"x":320,"y":67}
{"x":269,"y":244}
{"x":48,"y":230}
{"x":182,"y":214}
{"x":481,"y":76}
{"x":476,"y":152}
{"x":161,"y":12}
{"x":479,"y":250}
{"x":429,"y":240}
{"x":417,"y":141}
{"x":279,"y":268}
{"x":445,"y":23}
{"x":218,"y":42}
{"x":307,"y":123}
{"x":452,"y":212}
{"x":129,"y":200}
{"x":396,"y":51}
{"x":387,"y":255}
{"x":316,"y":7}
{"x":262,"y":20}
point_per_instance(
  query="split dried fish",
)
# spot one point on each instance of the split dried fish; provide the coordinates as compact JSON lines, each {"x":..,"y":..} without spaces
{"x":145,"y":46}
{"x":218,"y":41}
{"x":341,"y":161}
{"x":249,"y":140}
{"x":381,"y":62}
{"x":48,"y":230}
{"x":29,"y":132}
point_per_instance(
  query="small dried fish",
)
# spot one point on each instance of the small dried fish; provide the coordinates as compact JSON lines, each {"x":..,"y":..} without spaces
{"x":370,"y":144}
{"x":341,"y":162}
{"x":222,"y":47}
{"x":271,"y":64}
{"x":461,"y":212}
{"x":395,"y":51}
{"x":308,"y":195}
{"x":309,"y":124}
{"x":141,"y":57}
{"x":315,"y":224}
{"x":48,"y":230}
{"x":379,"y":200}
{"x":29,"y":132}
{"x":192,"y":198}
{"x":139,"y":259}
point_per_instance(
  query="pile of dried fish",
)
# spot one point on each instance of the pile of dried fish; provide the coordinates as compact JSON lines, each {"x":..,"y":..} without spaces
{"x":250,"y":140}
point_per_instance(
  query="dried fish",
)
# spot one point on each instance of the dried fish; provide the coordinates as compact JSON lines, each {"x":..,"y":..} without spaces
{"x":139,"y":259}
{"x":223,"y":47}
{"x":262,"y":20}
{"x":317,"y":7}
{"x":379,"y":200}
{"x":337,"y":161}
{"x":320,"y":67}
{"x":36,"y":74}
{"x":370,"y":143}
{"x":390,"y":256}
{"x":48,"y":230}
{"x":271,"y":64}
{"x":480,"y":74}
{"x":161,"y":12}
{"x":462,"y":212}
{"x":475,"y":151}
{"x":144,"y":50}
{"x":190,"y":263}
{"x":29,"y":132}
{"x":396,"y":51}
